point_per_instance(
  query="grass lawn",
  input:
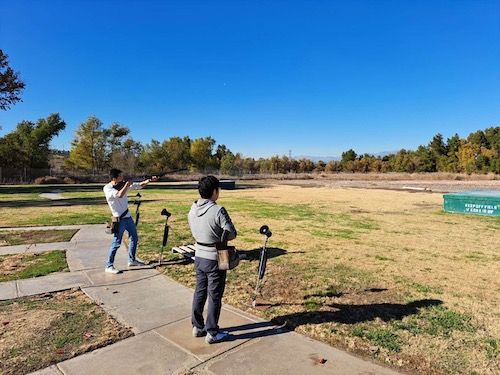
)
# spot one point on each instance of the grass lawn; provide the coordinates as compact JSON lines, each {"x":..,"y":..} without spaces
{"x":39,"y":331}
{"x":42,"y":330}
{"x":29,"y":237}
{"x":383,"y":274}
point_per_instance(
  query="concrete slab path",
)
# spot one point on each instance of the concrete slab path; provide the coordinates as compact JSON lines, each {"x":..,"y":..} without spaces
{"x":159,"y":311}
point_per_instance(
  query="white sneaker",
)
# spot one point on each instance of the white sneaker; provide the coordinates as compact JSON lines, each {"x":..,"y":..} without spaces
{"x":197,"y":332}
{"x":111,"y":269}
{"x":136,"y":263}
{"x":220,"y":336}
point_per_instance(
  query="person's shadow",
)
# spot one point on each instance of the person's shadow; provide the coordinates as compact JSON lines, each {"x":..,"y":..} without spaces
{"x":254,"y":330}
{"x":352,"y":314}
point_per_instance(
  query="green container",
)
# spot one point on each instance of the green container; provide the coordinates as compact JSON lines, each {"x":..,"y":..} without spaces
{"x":476,"y":202}
{"x":227,"y":184}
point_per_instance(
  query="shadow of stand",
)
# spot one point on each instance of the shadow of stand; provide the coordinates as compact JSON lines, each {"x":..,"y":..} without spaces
{"x":254,"y":254}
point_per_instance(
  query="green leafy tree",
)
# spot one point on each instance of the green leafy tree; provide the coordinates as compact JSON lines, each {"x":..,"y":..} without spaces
{"x":228,"y":164}
{"x":404,"y":161}
{"x":11,"y":85}
{"x":116,"y":135}
{"x":220,"y":152}
{"x":478,"y":138}
{"x":348,"y":156}
{"x":152,"y":158}
{"x":493,"y":138}
{"x":89,"y":147}
{"x":450,"y":163}
{"x":178,"y":153}
{"x":437,"y":146}
{"x":467,"y":155}
{"x":425,"y":159}
{"x":245,"y":165}
{"x":201,"y":153}
{"x":11,"y":152}
{"x":28,"y":145}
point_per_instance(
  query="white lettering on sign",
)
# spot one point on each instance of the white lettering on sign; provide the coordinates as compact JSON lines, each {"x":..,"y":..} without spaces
{"x":488,"y":209}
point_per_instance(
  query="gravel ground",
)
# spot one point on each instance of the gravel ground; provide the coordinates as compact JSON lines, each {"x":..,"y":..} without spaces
{"x":438,"y":186}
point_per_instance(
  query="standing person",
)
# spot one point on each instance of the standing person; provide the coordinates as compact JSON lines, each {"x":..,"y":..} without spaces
{"x":116,"y":196}
{"x":208,"y":222}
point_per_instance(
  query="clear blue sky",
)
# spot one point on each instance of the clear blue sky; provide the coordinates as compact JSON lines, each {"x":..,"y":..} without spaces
{"x":262,"y":77}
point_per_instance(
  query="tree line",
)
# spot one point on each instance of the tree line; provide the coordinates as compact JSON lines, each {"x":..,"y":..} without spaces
{"x":96,"y":148}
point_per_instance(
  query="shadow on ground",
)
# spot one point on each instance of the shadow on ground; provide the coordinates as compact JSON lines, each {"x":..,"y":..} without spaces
{"x":253,"y":330}
{"x":254,"y":254}
{"x":352,"y":314}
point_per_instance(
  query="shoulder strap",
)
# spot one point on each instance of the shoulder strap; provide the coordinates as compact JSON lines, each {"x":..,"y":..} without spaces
{"x":124,"y":214}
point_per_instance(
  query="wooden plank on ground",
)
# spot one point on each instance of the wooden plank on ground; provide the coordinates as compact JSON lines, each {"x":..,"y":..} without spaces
{"x":187,"y":251}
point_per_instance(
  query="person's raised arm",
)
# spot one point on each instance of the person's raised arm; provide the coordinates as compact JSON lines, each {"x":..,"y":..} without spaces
{"x":147,"y":181}
{"x":123,"y":190}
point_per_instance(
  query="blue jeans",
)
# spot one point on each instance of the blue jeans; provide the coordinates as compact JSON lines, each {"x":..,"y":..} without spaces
{"x":126,"y":224}
{"x":210,"y":282}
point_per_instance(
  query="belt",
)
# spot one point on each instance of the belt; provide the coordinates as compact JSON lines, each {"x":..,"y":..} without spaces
{"x":206,"y":244}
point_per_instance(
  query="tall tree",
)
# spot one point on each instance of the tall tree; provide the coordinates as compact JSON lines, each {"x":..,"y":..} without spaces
{"x":425,"y":159}
{"x":201,"y":153}
{"x":117,"y":134}
{"x":478,"y":138}
{"x":177,"y":153}
{"x":11,"y":85}
{"x":151,"y":159}
{"x":126,"y":157}
{"x":89,"y":147}
{"x":437,"y":146}
{"x":348,"y":156}
{"x":467,"y":155}
{"x":228,"y":164}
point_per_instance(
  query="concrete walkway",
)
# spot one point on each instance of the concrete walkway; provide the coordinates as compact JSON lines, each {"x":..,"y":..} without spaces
{"x":159,"y":311}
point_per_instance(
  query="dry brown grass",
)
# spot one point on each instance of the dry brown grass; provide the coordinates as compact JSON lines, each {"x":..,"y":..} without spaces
{"x":42,"y":330}
{"x":383,"y":273}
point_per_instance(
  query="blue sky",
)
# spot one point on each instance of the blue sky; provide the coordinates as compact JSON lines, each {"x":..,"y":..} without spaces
{"x":261,"y":77}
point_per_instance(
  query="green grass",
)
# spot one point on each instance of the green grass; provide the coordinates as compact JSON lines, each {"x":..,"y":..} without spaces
{"x":28,"y":237}
{"x":346,"y":268}
{"x":41,"y":264}
{"x":381,"y":337}
{"x":436,"y":321}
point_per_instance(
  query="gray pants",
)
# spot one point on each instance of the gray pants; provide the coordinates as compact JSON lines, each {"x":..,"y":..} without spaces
{"x":210,"y":282}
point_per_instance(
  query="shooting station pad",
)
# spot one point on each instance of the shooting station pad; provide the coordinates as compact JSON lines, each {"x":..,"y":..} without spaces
{"x":476,"y":202}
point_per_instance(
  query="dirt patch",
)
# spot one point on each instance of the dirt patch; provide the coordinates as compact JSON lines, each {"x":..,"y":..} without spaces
{"x":27,"y":265}
{"x":30,"y":237}
{"x":39,"y":331}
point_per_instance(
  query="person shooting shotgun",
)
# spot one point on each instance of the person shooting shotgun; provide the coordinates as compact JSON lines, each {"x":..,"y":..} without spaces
{"x":116,"y":196}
